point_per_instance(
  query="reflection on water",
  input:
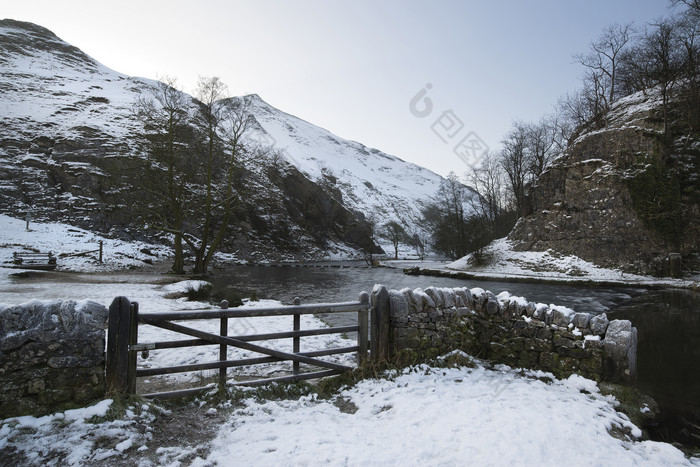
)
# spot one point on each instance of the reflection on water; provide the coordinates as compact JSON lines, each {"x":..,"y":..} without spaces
{"x":668,"y":357}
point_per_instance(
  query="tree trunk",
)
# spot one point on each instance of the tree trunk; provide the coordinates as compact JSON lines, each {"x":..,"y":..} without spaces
{"x":179,"y":261}
{"x":199,"y":264}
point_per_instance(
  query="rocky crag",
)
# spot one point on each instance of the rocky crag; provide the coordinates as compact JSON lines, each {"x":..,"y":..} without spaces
{"x":625,"y":196}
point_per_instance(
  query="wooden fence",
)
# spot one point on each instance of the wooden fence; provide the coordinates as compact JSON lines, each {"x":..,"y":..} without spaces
{"x":85,"y":253}
{"x":123,"y":346}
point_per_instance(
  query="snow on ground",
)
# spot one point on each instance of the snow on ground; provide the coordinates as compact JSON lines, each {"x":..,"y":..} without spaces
{"x":420,"y":416}
{"x":60,"y":238}
{"x":503,"y":262}
{"x":436,"y":416}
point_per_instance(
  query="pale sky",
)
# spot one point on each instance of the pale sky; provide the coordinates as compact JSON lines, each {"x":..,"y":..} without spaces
{"x":353,"y":66}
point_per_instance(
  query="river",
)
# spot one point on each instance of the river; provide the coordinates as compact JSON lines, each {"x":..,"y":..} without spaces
{"x":668,"y":321}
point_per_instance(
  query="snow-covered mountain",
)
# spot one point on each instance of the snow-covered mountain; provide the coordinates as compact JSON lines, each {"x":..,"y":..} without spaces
{"x":65,"y":118}
{"x":52,"y":89}
{"x":369,"y":180}
{"x":67,"y":121}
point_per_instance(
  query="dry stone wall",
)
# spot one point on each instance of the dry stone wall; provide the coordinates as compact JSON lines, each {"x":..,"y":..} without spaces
{"x":51,"y":356}
{"x":427,"y":323}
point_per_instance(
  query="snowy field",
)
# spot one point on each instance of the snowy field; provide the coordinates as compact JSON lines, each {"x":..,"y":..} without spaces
{"x":420,"y":416}
{"x":63,"y":239}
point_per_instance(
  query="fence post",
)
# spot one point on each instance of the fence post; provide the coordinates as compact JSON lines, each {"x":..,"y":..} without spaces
{"x":223,"y":348}
{"x":296,"y":340}
{"x":379,"y":337}
{"x":133,"y":340}
{"x":100,"y":258}
{"x":118,"y":345}
{"x":363,"y":324}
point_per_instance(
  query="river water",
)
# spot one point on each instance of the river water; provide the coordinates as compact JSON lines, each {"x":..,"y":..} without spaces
{"x":668,"y":321}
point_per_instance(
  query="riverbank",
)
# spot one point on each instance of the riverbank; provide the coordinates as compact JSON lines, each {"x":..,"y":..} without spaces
{"x":535,"y":279}
{"x":499,"y":262}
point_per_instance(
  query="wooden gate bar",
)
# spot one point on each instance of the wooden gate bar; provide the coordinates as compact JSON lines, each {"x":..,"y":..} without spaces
{"x":178,"y":393}
{"x":257,"y":337}
{"x":363,"y":328}
{"x":288,"y":379}
{"x":133,"y":340}
{"x":253,"y":312}
{"x":235,"y":363}
{"x":158,"y":322}
{"x":223,"y":348}
{"x":296,"y":340}
{"x":257,"y":382}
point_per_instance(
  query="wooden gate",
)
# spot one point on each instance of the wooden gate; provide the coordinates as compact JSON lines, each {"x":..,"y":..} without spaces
{"x":123,"y":346}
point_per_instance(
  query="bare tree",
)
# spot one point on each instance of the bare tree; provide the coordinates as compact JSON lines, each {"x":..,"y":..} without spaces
{"x":575,"y":109}
{"x":222,"y":124}
{"x":689,"y":28}
{"x":515,"y":161}
{"x":693,"y":6}
{"x":447,"y":217}
{"x":662,"y":47}
{"x":602,"y":63}
{"x":419,"y":242}
{"x":487,"y":181}
{"x":396,"y":234}
{"x":371,"y":238}
{"x":542,"y":144}
{"x":170,"y":165}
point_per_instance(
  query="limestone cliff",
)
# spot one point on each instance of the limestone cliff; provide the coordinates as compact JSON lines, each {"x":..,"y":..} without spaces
{"x":623,"y":196}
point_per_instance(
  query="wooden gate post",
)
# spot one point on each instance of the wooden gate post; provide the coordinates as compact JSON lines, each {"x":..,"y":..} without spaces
{"x":296,"y":341}
{"x":133,"y":340}
{"x":116,"y":374}
{"x":223,"y":348}
{"x":380,"y":318}
{"x":363,"y":332}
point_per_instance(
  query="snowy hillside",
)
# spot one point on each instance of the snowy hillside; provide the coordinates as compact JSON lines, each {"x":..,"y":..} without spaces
{"x":69,"y":138}
{"x":369,"y":180}
{"x":65,"y":118}
{"x":52,"y":89}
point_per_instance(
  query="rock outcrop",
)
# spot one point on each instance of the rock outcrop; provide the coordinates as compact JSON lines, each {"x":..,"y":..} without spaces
{"x":625,"y":196}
